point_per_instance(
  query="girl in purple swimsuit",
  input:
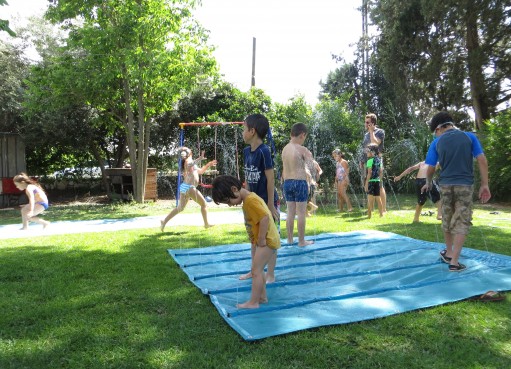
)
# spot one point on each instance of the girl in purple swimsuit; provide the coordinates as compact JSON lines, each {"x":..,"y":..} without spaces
{"x":37,"y":200}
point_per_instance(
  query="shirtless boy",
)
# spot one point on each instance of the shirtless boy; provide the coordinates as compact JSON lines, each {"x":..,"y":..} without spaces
{"x":420,"y":181}
{"x":295,"y":158}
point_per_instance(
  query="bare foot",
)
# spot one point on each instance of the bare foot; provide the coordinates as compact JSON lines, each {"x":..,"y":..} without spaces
{"x":45,"y":224}
{"x":438,"y":218}
{"x":368,"y":216}
{"x":381,"y":214}
{"x":416,"y":221}
{"x":162,"y":225}
{"x":263,"y":300}
{"x":245,"y":276}
{"x":270,"y":279}
{"x":23,"y":229}
{"x":247,"y":305}
{"x":208,"y":225}
{"x":290,"y":241}
{"x":305,"y":243}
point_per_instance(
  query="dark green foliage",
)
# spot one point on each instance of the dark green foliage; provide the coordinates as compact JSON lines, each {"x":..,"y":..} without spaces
{"x":496,"y":142}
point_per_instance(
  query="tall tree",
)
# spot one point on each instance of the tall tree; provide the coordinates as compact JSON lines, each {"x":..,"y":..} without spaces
{"x":4,"y":24}
{"x":14,"y":70}
{"x":143,"y":53}
{"x":446,"y":54}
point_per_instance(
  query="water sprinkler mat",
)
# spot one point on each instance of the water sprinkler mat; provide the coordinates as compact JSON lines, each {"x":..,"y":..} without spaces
{"x":341,"y":278}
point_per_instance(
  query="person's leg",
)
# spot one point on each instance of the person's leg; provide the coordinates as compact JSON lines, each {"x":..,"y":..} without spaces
{"x":183,"y":200}
{"x":344,"y":195}
{"x":252,"y":255}
{"x":439,"y":209}
{"x":301,"y":209}
{"x":290,"y":221}
{"x":447,"y":214}
{"x":457,"y":245}
{"x":38,"y":209}
{"x":418,"y":209}
{"x":258,"y":293}
{"x":383,"y":196}
{"x":196,"y":196}
{"x":24,"y":217}
{"x":340,"y":200}
{"x":272,"y":263}
{"x":380,"y":205}
{"x":370,"y":203}
{"x":314,"y":203}
{"x":461,"y":222}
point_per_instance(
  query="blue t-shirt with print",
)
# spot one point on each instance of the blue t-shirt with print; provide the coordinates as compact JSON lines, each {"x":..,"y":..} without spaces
{"x":255,"y":163}
{"x":455,"y":150}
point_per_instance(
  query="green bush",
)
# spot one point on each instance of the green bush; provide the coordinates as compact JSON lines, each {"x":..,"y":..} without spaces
{"x":497,"y":147}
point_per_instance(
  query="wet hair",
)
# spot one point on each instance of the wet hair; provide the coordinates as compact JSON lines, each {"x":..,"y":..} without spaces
{"x":338,"y":152}
{"x":373,"y":118}
{"x":180,"y":150}
{"x":259,"y":123}
{"x":297,"y":129}
{"x":24,"y":178}
{"x":439,"y":120}
{"x":222,"y":188}
{"x":373,"y":148}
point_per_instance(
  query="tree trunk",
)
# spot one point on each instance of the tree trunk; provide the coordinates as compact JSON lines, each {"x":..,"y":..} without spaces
{"x":475,"y":60}
{"x":141,"y":147}
{"x":130,"y":130}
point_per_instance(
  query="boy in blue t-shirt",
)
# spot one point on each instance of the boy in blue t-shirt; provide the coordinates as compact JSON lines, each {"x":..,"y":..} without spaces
{"x":259,"y":174}
{"x":373,"y":179}
{"x":455,"y":151}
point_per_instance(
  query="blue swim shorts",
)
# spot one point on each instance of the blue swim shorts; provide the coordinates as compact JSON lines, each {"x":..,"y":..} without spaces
{"x":184,"y":187}
{"x":44,"y":204}
{"x":295,"y":190}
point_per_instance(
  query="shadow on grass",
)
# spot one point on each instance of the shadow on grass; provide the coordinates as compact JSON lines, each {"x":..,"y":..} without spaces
{"x":118,"y":300}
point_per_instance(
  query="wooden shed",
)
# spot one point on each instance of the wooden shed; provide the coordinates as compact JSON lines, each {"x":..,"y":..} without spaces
{"x":12,"y":162}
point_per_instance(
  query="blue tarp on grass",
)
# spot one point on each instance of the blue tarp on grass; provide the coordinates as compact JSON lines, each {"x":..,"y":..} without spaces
{"x":341,"y":278}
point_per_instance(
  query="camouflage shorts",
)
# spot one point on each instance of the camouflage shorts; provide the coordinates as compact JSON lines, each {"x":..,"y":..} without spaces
{"x":456,"y":208}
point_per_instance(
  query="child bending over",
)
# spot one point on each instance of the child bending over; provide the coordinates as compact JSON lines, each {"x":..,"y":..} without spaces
{"x":262,"y":231}
{"x":37,"y":200}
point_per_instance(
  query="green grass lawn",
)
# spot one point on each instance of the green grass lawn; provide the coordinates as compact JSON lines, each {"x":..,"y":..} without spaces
{"x":117,"y":300}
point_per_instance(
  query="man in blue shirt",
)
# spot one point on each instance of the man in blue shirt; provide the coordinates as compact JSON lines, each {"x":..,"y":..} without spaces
{"x":454,"y":150}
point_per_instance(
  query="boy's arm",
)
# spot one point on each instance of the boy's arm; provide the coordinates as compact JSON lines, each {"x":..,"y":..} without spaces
{"x":263,"y":230}
{"x":372,"y":134}
{"x":270,"y":187}
{"x":406,"y":171}
{"x":484,"y":190}
{"x":429,"y":177}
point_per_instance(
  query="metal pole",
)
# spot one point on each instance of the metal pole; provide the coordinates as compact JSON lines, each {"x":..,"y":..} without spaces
{"x":181,"y":143}
{"x":253,"y":60}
